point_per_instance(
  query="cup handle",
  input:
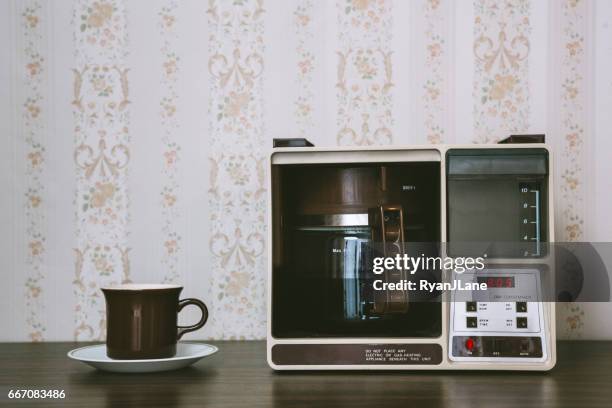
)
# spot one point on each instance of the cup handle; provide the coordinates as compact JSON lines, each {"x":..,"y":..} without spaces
{"x":186,"y":329}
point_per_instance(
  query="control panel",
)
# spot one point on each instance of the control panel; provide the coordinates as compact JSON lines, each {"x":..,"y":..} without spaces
{"x":505,"y":322}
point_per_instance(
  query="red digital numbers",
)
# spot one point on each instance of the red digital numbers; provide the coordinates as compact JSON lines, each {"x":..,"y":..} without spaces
{"x":497,"y":281}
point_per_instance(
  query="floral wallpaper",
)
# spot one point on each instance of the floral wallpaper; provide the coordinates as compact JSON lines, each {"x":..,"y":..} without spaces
{"x":33,"y":110}
{"x":435,"y":85}
{"x":305,"y":50}
{"x":153,"y":123}
{"x":169,"y":194}
{"x":365,"y":73}
{"x":573,"y":118}
{"x":237,"y":192}
{"x":101,"y":111}
{"x":501,"y":57}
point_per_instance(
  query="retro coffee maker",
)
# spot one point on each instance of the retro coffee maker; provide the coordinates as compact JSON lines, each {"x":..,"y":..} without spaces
{"x":332,"y":210}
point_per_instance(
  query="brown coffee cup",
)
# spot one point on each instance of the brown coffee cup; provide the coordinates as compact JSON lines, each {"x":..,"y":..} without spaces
{"x":142,"y":320}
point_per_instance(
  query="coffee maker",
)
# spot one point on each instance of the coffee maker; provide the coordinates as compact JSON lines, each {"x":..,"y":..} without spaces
{"x":333,"y":210}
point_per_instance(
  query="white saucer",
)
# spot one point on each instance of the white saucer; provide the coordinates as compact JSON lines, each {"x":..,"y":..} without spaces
{"x":186,"y":354}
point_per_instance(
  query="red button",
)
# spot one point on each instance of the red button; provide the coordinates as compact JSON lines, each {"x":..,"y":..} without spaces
{"x":469,"y":344}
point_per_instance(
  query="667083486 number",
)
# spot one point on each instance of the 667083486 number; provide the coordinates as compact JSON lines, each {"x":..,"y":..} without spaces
{"x":36,"y":394}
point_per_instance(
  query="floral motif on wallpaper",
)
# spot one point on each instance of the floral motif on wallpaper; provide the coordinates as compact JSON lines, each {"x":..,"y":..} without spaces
{"x":101,"y":25}
{"x":33,"y":115}
{"x":237,"y":177}
{"x":572,"y":116}
{"x":238,"y":74}
{"x":572,"y":318}
{"x":305,"y":50}
{"x":171,"y":245}
{"x":364,"y":72}
{"x":573,"y":120}
{"x":501,"y":77}
{"x":101,"y":155}
{"x":436,"y":60}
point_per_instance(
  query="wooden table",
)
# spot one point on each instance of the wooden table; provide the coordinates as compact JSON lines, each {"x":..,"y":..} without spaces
{"x":238,"y":376}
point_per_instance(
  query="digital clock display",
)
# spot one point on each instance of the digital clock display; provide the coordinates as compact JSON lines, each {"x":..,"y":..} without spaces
{"x":497,"y":281}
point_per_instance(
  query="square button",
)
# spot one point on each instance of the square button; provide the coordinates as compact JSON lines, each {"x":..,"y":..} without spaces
{"x":471,"y":322}
{"x":470,"y":306}
{"x":521,"y":322}
{"x":521,"y":307}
